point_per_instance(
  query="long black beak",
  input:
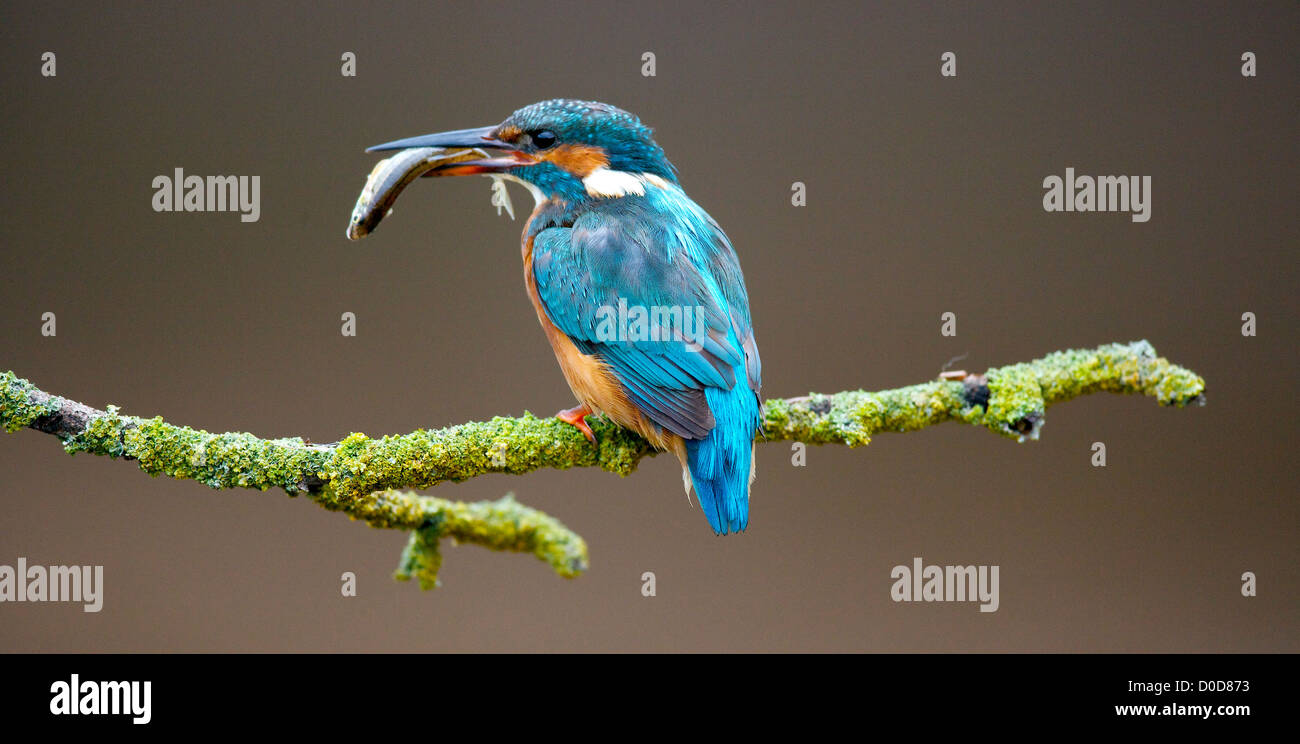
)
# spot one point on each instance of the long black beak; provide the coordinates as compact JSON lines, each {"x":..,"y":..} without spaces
{"x":481,"y":137}
{"x":464,"y":138}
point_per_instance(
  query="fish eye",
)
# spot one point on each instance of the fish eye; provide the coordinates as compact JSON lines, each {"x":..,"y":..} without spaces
{"x":543,"y":139}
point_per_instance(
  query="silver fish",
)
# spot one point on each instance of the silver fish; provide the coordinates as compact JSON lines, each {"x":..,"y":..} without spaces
{"x":390,"y":176}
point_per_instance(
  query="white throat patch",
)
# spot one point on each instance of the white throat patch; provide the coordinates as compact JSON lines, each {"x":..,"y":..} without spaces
{"x":612,"y":183}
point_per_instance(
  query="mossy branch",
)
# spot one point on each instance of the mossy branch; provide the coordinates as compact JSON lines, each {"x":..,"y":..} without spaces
{"x":362,"y":476}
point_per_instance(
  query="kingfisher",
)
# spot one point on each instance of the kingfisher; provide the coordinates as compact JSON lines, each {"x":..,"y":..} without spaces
{"x":637,"y":288}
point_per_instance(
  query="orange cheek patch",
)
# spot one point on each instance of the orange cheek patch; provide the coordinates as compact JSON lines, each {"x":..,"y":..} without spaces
{"x":580,"y":160}
{"x":508,"y":134}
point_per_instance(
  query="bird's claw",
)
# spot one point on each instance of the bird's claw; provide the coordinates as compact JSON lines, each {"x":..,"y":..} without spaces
{"x":577,"y":418}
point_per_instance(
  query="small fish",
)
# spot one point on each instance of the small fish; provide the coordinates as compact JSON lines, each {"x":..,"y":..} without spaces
{"x":390,"y":176}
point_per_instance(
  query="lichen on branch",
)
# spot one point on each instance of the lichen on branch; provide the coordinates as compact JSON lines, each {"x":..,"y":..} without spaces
{"x":1010,"y":401}
{"x":362,"y":477}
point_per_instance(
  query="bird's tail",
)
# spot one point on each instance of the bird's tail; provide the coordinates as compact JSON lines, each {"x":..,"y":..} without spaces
{"x":721,"y":464}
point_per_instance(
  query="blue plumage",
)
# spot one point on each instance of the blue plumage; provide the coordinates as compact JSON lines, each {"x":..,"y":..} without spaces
{"x":721,"y":463}
{"x":638,"y":289}
{"x":661,"y":250}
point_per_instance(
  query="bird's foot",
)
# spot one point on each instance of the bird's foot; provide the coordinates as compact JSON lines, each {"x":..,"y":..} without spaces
{"x":577,"y":417}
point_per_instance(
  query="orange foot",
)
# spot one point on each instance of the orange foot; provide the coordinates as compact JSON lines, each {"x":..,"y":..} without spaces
{"x":577,"y":417}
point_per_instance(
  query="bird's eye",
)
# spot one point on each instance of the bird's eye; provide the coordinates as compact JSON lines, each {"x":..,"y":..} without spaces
{"x":543,"y":139}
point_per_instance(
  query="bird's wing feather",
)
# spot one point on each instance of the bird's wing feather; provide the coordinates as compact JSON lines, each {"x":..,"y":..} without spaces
{"x":633,"y":255}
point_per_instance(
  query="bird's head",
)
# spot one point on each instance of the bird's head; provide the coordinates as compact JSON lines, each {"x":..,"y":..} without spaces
{"x":572,"y":150}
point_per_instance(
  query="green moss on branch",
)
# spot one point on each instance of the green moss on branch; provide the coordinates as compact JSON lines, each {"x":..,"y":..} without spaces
{"x":361,"y":476}
{"x":1010,"y":401}
{"x":501,"y":525}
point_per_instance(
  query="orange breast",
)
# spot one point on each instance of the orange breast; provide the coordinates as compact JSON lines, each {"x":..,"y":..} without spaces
{"x":590,"y":379}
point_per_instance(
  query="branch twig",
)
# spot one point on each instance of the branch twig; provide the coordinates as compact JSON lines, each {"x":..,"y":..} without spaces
{"x":361,"y":476}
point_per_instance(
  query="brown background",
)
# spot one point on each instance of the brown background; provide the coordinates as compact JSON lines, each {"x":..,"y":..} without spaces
{"x":924,"y":196}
